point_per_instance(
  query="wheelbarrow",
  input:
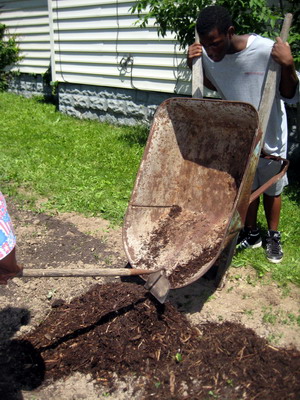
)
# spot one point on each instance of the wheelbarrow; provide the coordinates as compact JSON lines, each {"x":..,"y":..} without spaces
{"x":193,"y":187}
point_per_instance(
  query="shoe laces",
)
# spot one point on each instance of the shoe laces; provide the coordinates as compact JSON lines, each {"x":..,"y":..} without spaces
{"x":273,"y":243}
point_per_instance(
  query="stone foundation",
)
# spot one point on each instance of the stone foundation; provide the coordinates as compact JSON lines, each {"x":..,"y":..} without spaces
{"x":120,"y":106}
{"x":113,"y":105}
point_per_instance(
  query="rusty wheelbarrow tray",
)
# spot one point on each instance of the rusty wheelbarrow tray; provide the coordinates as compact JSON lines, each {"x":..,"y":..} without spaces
{"x":193,"y":186}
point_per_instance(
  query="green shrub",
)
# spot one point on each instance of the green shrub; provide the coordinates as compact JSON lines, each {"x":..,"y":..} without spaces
{"x":179,"y":17}
{"x":9,"y":54}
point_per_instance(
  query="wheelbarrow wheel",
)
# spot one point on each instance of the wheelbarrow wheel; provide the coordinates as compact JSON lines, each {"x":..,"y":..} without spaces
{"x":224,"y":262}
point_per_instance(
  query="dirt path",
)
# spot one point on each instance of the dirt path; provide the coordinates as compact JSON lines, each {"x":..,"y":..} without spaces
{"x":71,"y":240}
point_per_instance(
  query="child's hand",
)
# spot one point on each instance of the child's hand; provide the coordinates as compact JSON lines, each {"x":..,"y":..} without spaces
{"x":5,"y":275}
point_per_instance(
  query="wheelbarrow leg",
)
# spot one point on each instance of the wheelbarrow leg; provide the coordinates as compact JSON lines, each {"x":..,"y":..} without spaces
{"x":223,"y":263}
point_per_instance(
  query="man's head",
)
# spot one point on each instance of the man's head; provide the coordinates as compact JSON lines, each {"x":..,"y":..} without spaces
{"x":215,"y":29}
{"x":213,"y":17}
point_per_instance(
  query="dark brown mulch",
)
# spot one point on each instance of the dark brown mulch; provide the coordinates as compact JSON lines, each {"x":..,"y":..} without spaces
{"x":119,"y":328}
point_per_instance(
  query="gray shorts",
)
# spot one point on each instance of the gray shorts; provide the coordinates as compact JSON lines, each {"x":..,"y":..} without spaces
{"x":266,"y":169}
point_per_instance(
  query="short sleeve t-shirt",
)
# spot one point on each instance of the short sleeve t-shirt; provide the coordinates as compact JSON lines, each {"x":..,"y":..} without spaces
{"x":240,"y":77}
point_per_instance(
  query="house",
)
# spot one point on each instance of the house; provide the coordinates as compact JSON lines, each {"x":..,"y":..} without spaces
{"x":99,"y":61}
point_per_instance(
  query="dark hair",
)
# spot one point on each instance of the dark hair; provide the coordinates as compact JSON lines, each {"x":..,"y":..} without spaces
{"x":212,"y":17}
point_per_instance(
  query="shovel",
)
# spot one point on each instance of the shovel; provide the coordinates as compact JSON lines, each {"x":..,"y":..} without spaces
{"x":156,"y":283}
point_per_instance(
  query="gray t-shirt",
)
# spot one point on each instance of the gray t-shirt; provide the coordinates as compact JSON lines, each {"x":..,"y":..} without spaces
{"x":240,"y":77}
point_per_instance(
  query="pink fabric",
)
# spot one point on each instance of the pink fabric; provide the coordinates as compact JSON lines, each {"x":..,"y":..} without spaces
{"x":7,"y":235}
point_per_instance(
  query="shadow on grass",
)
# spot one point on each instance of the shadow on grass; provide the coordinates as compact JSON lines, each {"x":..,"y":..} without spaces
{"x":137,"y":135}
{"x":47,"y":98}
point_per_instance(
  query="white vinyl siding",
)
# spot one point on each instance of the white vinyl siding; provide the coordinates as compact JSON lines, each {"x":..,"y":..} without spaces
{"x":92,"y":39}
{"x":30,"y":21}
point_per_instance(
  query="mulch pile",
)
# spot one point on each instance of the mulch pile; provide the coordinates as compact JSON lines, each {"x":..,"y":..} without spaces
{"x":118,"y":328}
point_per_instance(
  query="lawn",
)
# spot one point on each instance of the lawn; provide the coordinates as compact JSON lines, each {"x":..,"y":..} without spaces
{"x":77,"y":165}
{"x":90,"y":167}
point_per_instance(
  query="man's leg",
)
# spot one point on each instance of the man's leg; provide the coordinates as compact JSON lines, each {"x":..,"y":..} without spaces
{"x":249,"y":237}
{"x":272,"y":207}
{"x":251,"y":217}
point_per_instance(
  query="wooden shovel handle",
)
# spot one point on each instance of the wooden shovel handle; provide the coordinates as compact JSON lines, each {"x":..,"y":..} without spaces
{"x":63,"y":272}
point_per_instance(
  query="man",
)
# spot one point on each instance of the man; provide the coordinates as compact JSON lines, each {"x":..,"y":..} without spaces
{"x":235,"y":66}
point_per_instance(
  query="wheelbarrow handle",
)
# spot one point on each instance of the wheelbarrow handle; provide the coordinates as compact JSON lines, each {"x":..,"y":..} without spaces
{"x":265,"y":106}
{"x":287,"y":22}
{"x":285,"y":164}
{"x":269,"y":90}
{"x":197,"y":73}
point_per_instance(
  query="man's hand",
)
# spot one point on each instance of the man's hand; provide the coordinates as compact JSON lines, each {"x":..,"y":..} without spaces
{"x":282,"y":54}
{"x":195,"y":50}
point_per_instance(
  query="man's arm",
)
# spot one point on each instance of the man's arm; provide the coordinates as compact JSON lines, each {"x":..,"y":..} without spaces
{"x":195,"y":50}
{"x":281,"y":53}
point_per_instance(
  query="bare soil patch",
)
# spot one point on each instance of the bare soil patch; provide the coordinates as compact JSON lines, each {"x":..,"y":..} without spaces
{"x":91,"y":338}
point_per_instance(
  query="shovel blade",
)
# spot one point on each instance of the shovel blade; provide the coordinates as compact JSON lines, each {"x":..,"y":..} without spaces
{"x":158,"y":285}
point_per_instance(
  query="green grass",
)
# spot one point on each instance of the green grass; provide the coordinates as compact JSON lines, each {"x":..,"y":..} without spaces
{"x":280,"y":317}
{"x":78,"y":165}
{"x":89,"y":167}
{"x":289,"y":269}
